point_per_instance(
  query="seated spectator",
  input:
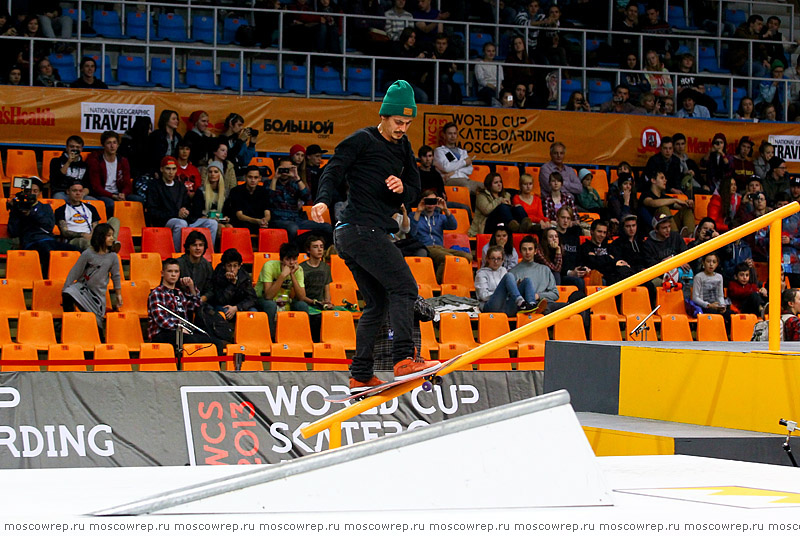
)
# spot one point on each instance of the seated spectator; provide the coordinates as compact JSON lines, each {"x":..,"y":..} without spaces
{"x":68,"y":168}
{"x":408,"y":47}
{"x":164,"y":140}
{"x":654,"y":202}
{"x":21,"y":49}
{"x":32,"y":222}
{"x":199,"y":135}
{"x":187,"y":172}
{"x":557,"y":198}
{"x":705,"y":231}
{"x":499,"y":292}
{"x":429,"y":176}
{"x":329,"y":28}
{"x":634,"y":81}
{"x":87,"y":282}
{"x":717,"y":164}
{"x":619,"y":103}
{"x":53,"y":21}
{"x":540,"y":276}
{"x":768,"y":113}
{"x":501,"y":238}
{"x":530,"y":202}
{"x":110,"y":175}
{"x":551,"y":42}
{"x":220,"y":155}
{"x":746,"y":207}
{"x":428,"y":23}
{"x":489,"y":76}
{"x":689,"y":81}
{"x":647,"y":102}
{"x":453,"y":162}
{"x":765,"y":152}
{"x":690,"y":171}
{"x":405,"y":242}
{"x":297,"y":154}
{"x":316,"y":274}
{"x":493,"y":206}
{"x":594,"y":254}
{"x":168,"y":204}
{"x":669,"y":164}
{"x":231,"y":289}
{"x":77,"y":220}
{"x":14,"y":77}
{"x":193,"y":263}
{"x":530,"y":15}
{"x":622,"y":199}
{"x":663,"y":243}
{"x":741,"y":166}
{"x":46,"y":75}
{"x":133,"y":147}
{"x":281,"y":285}
{"x":773,"y":91}
{"x":569,"y":233}
{"x":517,"y":70}
{"x":569,"y":177}
{"x":708,"y":291}
{"x":689,"y":108}
{"x":666,"y":106}
{"x":790,"y":307}
{"x":397,"y":19}
{"x":628,"y":247}
{"x":657,"y":75}
{"x":287,"y":192}
{"x":525,"y":100}
{"x":589,"y":199}
{"x":179,"y":295}
{"x":746,"y":297}
{"x":723,"y":213}
{"x":549,"y":252}
{"x":240,"y":141}
{"x":87,"y":78}
{"x":428,"y":224}
{"x":739,"y":56}
{"x":747,"y":110}
{"x":247,"y":205}
{"x":776,"y":179}
{"x":578,"y":103}
{"x":214,"y":196}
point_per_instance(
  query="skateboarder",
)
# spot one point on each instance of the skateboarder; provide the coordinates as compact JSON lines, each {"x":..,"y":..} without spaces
{"x":381,"y":173}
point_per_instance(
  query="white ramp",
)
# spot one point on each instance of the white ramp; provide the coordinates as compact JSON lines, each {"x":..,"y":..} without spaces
{"x":531,"y":453}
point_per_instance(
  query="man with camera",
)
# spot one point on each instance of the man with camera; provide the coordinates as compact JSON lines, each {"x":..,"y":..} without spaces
{"x":169,"y":205}
{"x":68,"y":168}
{"x":428,"y":224}
{"x":619,"y":102}
{"x":76,"y":220}
{"x":32,"y":222}
{"x":287,"y":192}
{"x":248,"y":204}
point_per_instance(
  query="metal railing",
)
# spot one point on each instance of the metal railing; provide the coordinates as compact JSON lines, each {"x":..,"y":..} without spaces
{"x":333,"y":422}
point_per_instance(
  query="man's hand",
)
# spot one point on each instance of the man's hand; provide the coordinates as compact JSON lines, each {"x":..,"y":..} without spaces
{"x":395,"y":184}
{"x":230,"y":311}
{"x":318,"y":211}
{"x":263,"y":223}
{"x":286,"y":270}
{"x":188,"y":283}
{"x":231,"y":276}
{"x":183,"y":213}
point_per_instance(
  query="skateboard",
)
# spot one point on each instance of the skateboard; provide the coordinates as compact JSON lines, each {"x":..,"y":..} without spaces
{"x":431,"y":378}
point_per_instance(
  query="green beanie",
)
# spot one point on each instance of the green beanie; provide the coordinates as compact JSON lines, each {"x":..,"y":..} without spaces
{"x":399,"y":100}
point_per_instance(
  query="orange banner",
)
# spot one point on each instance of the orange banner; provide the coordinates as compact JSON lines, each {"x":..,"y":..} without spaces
{"x":46,"y":116}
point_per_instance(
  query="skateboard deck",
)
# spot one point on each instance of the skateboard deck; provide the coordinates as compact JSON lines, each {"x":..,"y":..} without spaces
{"x":430,"y":376}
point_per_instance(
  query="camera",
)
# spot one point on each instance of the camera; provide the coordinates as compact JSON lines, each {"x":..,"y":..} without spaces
{"x":23,"y":183}
{"x":753,"y":197}
{"x":253,"y":132}
{"x":709,"y":233}
{"x":431,"y":201}
{"x":74,"y":152}
{"x":617,"y":99}
{"x":284,"y":171}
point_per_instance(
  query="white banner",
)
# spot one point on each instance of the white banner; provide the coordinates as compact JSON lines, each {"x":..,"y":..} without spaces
{"x":102,"y":116}
{"x":786,"y":147}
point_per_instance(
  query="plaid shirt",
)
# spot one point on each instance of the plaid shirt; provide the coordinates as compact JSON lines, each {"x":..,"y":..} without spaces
{"x":567,"y":200}
{"x":284,"y":199}
{"x":176,"y":301}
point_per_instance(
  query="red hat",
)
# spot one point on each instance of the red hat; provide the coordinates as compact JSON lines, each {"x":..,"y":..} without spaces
{"x":297,"y":148}
{"x":168,"y":160}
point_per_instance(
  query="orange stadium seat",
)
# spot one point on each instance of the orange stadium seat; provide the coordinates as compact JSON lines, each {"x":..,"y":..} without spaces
{"x":158,"y":240}
{"x":23,"y":266}
{"x":454,"y":289}
{"x":457,"y":239}
{"x":605,"y":328}
{"x":239,"y":239}
{"x":21,"y":163}
{"x":126,"y":242}
{"x":131,"y":215}
{"x":12,"y":298}
{"x":479,"y":172}
{"x":250,"y":364}
{"x":80,"y":328}
{"x":428,"y":339}
{"x":15,"y":351}
{"x":742,"y":327}
{"x":458,"y":270}
{"x":570,"y":329}
{"x":564,"y":292}
{"x":252,"y":329}
{"x":101,"y":210}
{"x":462,"y":218}
{"x":200,"y":350}
{"x":329,"y":350}
{"x":425,"y":291}
{"x":636,"y":301}
{"x":605,"y":307}
{"x":422,"y":270}
{"x":509,"y":174}
{"x":633,"y":321}
{"x":340,"y":273}
{"x":5,"y":332}
{"x":124,"y":328}
{"x":134,"y":297}
{"x":675,"y":328}
{"x":288,"y":349}
{"x":112,"y":351}
{"x":326,"y":216}
{"x":36,"y":328}
{"x":456,"y":327}
{"x":260,"y":258}
{"x":271,"y":239}
{"x":501,"y":353}
{"x":338,"y":327}
{"x":493,"y":325}
{"x":62,"y":352}
{"x":454,"y":349}
{"x":61,"y":262}
{"x":529,"y":350}
{"x":146,"y":267}
{"x":264,"y":161}
{"x":458,"y":194}
{"x":47,"y":157}
{"x":151,"y":350}
{"x":711,"y":328}
{"x":293,"y":327}
{"x":537,"y":337}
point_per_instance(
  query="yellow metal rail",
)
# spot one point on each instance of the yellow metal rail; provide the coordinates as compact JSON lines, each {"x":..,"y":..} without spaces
{"x":333,"y":421}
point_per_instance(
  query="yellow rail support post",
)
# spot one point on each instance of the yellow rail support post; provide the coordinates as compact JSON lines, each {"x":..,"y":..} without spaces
{"x":333,"y":421}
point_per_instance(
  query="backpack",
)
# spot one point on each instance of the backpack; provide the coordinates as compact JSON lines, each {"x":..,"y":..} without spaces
{"x":214,"y":323}
{"x":761,"y":329}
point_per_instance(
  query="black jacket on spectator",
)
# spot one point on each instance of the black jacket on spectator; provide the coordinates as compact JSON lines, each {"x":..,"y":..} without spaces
{"x":629,"y":251}
{"x":158,"y":148}
{"x":78,"y":171}
{"x":656,"y":250}
{"x":252,"y":205}
{"x":37,"y":226}
{"x":222,"y":292}
{"x":671,"y":169}
{"x":570,"y":240}
{"x":164,"y":202}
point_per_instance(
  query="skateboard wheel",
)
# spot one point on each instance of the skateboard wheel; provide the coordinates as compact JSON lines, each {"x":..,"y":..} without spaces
{"x":427,"y":386}
{"x":437,"y":380}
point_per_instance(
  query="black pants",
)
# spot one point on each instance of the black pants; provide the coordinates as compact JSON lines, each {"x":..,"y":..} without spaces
{"x":386,"y":282}
{"x":168,"y":336}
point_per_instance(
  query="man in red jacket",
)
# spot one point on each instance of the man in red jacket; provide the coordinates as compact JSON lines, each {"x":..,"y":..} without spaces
{"x":110,"y":175}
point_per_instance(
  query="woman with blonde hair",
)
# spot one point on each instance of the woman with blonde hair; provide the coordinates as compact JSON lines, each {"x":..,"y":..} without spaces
{"x":214,"y":194}
{"x":657,"y":75}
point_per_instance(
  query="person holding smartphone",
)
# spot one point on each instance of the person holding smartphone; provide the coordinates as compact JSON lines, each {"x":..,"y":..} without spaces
{"x":428,"y":224}
{"x":69,"y":168}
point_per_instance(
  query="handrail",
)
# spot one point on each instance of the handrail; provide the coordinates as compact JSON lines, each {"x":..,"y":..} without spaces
{"x":333,"y":421}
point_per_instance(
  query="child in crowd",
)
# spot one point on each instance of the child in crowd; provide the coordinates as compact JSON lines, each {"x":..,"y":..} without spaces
{"x":589,"y":199}
{"x":746,"y":297}
{"x":708,"y":291}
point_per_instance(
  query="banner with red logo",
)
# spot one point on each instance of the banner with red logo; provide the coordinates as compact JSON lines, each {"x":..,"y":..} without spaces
{"x":47,"y":116}
{"x":131,"y":419}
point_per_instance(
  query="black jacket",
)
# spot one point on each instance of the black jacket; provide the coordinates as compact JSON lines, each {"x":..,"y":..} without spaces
{"x":222,"y":292}
{"x":162,"y":206}
{"x":656,"y":250}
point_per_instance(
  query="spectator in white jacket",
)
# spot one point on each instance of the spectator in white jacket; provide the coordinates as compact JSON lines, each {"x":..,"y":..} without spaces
{"x":489,"y":76}
{"x":453,"y":162}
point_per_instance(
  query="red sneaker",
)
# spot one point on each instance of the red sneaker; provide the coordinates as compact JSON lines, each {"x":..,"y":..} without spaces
{"x":359,"y":387}
{"x":413,"y":366}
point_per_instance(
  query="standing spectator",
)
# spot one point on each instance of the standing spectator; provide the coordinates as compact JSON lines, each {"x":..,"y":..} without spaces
{"x":533,"y":18}
{"x":313,"y":169}
{"x":193,"y":263}
{"x":329,"y":28}
{"x":654,"y":24}
{"x":133,"y":146}
{"x":488,"y":75}
{"x":231,"y":288}
{"x":407,"y":47}
{"x":87,"y":281}
{"x":493,"y":206}
{"x":690,"y":171}
{"x":551,"y":47}
{"x":87,"y":78}
{"x":179,"y":295}
{"x":281,"y":285}
{"x":428,"y":224}
{"x":248,"y":204}
{"x":739,"y":59}
{"x":287,"y":192}
{"x":517,"y":68}
{"x":53,"y":22}
{"x":453,"y":162}
{"x":688,"y":80}
{"x":569,"y":177}
{"x":69,"y":168}
{"x":110,"y":174}
{"x":397,"y":19}
{"x":76,"y":220}
{"x":428,"y":22}
{"x":449,"y":91}
{"x":168,"y":204}
{"x":667,"y":163}
{"x":723,"y":213}
{"x":199,"y":135}
{"x":624,"y":45}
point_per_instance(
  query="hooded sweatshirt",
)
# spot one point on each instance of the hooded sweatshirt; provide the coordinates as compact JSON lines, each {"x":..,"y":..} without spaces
{"x":656,"y":249}
{"x":717,"y":169}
